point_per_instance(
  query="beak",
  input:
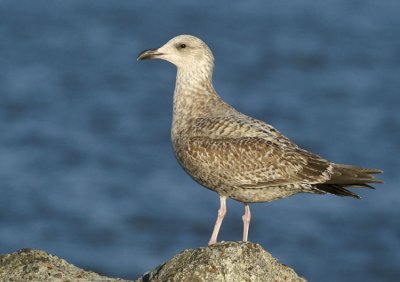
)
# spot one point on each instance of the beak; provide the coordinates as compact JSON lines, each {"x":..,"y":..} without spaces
{"x":149,"y":54}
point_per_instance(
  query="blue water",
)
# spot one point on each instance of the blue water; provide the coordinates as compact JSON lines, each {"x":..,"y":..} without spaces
{"x":86,"y":167}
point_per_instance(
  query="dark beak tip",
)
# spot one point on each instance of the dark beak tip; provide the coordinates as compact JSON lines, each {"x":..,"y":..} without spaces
{"x":148,"y":54}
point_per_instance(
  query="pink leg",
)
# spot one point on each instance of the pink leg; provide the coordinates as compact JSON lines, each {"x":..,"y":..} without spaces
{"x":221,"y":214}
{"x":246,"y":222}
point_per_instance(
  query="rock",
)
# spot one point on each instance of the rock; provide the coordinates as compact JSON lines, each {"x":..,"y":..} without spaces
{"x":34,"y":265}
{"x":225,"y":261}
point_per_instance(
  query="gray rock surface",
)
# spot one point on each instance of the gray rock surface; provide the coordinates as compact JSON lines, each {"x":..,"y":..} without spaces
{"x":35,"y":265}
{"x":225,"y":261}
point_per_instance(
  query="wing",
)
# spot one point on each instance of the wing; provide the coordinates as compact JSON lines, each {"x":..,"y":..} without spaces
{"x":244,"y":152}
{"x":255,"y":162}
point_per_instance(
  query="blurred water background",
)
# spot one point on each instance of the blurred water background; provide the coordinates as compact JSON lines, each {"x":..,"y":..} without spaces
{"x":86,"y":167}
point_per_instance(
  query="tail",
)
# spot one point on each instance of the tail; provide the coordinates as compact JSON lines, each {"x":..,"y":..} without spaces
{"x":345,"y":176}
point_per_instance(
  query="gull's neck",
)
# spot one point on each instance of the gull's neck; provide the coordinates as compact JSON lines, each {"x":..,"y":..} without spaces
{"x":194,"y":77}
{"x":194,"y":94}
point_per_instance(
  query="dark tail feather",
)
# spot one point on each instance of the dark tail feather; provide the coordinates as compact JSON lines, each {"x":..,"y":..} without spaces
{"x":345,"y":176}
{"x":364,"y":185}
{"x":360,"y":169}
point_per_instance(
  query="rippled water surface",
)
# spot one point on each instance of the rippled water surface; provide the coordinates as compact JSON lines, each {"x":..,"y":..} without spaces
{"x":86,"y":167}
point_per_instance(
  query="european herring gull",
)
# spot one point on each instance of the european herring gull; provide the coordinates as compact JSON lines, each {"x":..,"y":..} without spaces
{"x":237,"y":156}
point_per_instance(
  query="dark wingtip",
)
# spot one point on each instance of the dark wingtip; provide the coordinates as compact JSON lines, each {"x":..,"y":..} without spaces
{"x":338,"y":190}
{"x":353,"y":195}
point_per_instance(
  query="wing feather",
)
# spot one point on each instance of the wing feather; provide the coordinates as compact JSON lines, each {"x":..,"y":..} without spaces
{"x":253,"y":162}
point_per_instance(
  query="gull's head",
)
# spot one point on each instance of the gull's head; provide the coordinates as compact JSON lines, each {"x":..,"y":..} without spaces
{"x":184,"y":51}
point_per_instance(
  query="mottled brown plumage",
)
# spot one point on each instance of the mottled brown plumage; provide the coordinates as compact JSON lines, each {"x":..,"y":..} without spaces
{"x":235,"y":155}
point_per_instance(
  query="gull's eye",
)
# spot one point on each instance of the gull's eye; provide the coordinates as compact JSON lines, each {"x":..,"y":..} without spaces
{"x":182,"y":46}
